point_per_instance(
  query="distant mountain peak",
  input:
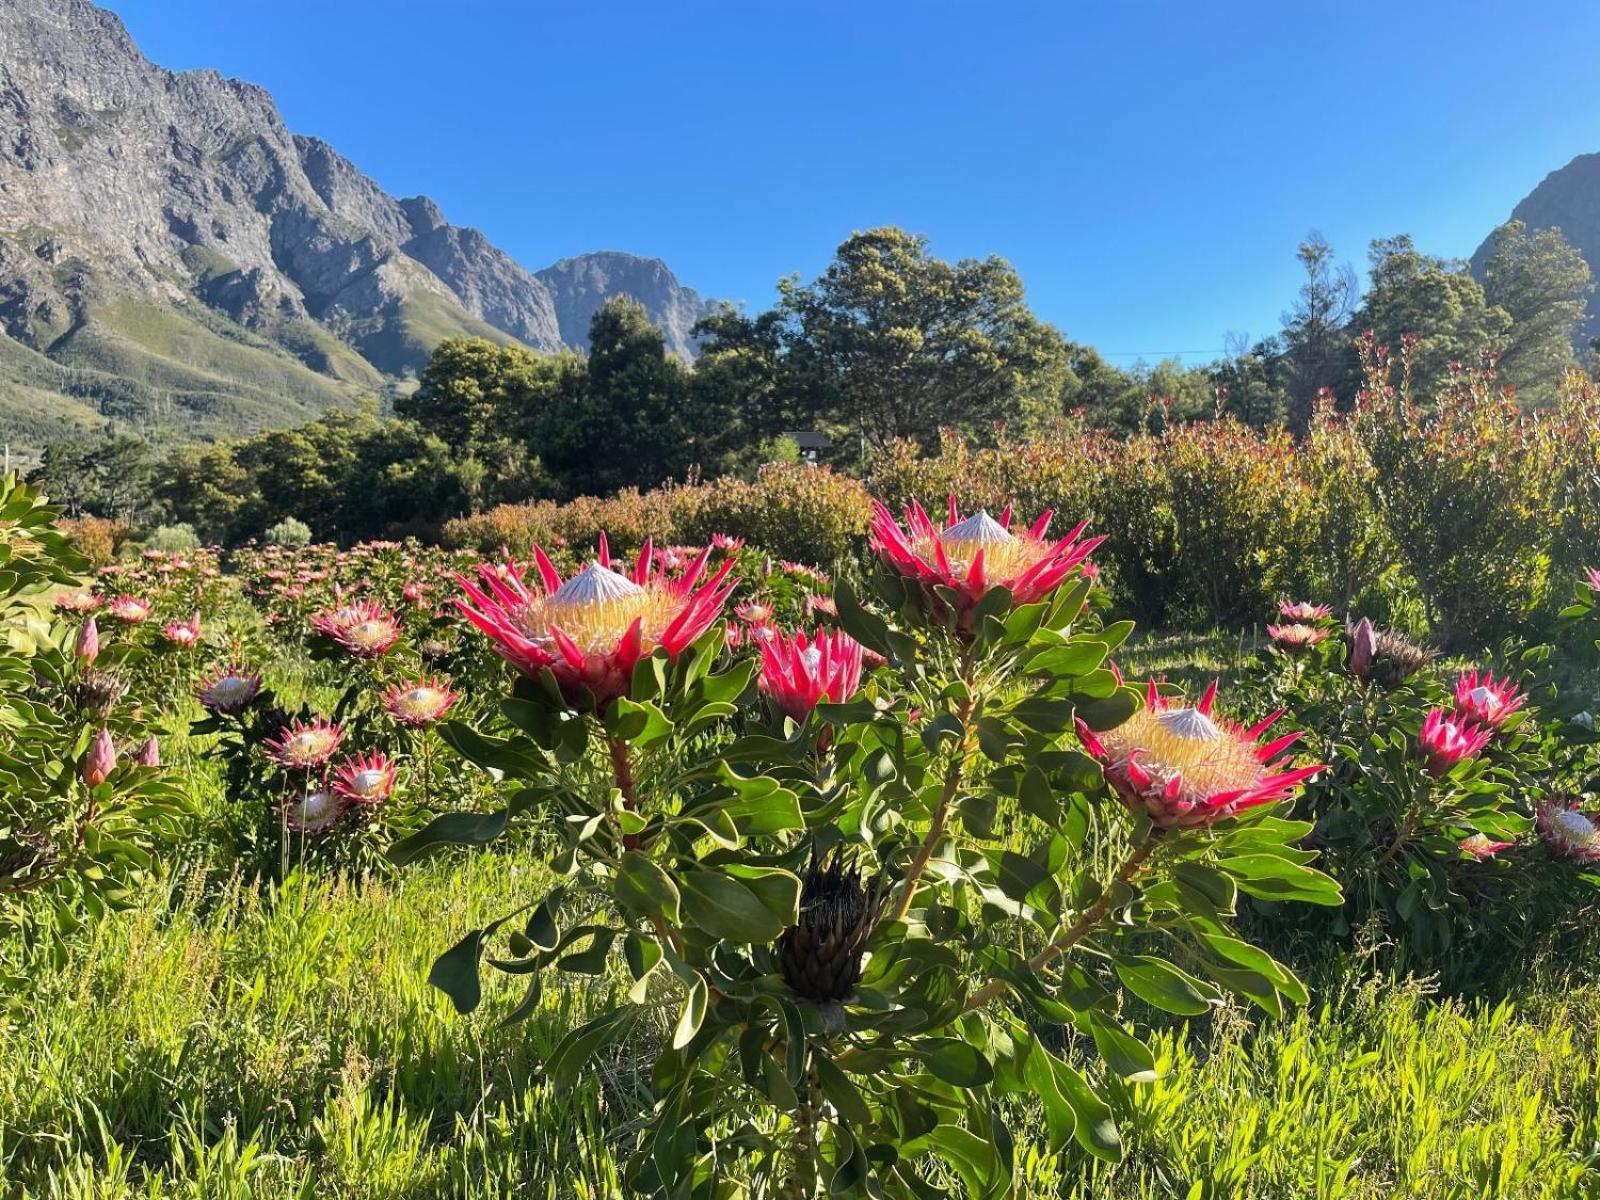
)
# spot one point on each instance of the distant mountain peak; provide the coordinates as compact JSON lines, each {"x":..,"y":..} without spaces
{"x":166,"y":240}
{"x":1567,"y":199}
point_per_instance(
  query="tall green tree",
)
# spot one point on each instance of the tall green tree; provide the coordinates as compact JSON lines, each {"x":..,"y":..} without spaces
{"x":890,"y":341}
{"x":1316,"y":339}
{"x":1543,"y":283}
{"x":1435,"y":299}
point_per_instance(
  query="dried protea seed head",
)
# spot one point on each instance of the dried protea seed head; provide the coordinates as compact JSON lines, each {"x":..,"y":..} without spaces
{"x":1393,"y":657}
{"x":821,"y":954}
{"x":96,"y":693}
{"x":23,"y":857}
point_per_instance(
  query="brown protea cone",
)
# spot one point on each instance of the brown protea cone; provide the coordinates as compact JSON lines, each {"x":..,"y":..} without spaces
{"x":22,"y":858}
{"x":821,"y":954}
{"x":97,"y":692}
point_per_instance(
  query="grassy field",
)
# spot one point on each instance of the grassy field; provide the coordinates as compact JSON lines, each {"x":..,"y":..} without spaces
{"x":229,"y":1038}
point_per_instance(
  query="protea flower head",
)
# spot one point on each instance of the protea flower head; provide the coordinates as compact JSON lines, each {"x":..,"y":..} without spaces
{"x":150,"y":752}
{"x":1294,"y":640}
{"x":420,"y":702}
{"x":96,"y":692}
{"x":973,"y":554}
{"x":821,"y":954}
{"x":1448,"y":738}
{"x":130,"y":610}
{"x":1187,"y":766}
{"x":799,"y":672}
{"x":1487,"y":700}
{"x":365,"y":628}
{"x":753,"y":612}
{"x":315,"y":811}
{"x":721,"y":541}
{"x":86,"y":647}
{"x":1592,"y":578}
{"x":183,"y":633}
{"x":101,"y":759}
{"x":78,"y":602}
{"x":1568,"y":830}
{"x":365,"y":778}
{"x":229,"y":689}
{"x":590,"y":630}
{"x":1302,"y":612}
{"x":1480,"y":846}
{"x":304,"y":746}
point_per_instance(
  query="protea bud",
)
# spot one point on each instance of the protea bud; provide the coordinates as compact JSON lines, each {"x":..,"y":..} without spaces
{"x":101,"y":759}
{"x":87,"y":648}
{"x":150,"y":752}
{"x":821,"y":954}
{"x":1363,"y":643}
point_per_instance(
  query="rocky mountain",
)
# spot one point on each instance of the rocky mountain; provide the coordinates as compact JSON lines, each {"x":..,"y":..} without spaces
{"x":173,"y":257}
{"x":1567,"y":199}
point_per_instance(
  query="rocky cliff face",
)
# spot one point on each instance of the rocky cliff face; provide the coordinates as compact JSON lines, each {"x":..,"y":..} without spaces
{"x":1567,"y":199}
{"x":579,"y":286}
{"x":166,"y":230}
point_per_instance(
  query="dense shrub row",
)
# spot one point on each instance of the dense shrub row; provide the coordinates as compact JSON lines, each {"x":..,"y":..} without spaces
{"x":794,"y":512}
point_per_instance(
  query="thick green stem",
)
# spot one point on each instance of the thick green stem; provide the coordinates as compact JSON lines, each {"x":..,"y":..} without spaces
{"x":941,"y":815}
{"x":622,"y":771}
{"x":1083,"y":926}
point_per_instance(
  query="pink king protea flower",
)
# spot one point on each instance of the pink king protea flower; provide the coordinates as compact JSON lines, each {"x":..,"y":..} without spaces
{"x":1447,"y":739}
{"x":1592,"y":578}
{"x":315,"y":811}
{"x":1480,"y":846}
{"x":1487,"y":700}
{"x":969,"y":556}
{"x":78,"y":602}
{"x":183,"y":633}
{"x":1301,"y":612}
{"x":130,"y":610}
{"x":365,"y":778}
{"x":101,"y":759}
{"x":753,"y":612}
{"x":229,"y":689}
{"x":304,"y":746}
{"x":1297,"y":638}
{"x":364,"y":627}
{"x":419,"y":703}
{"x":1186,"y":766}
{"x":590,"y":630}
{"x":800,"y":673}
{"x":1567,"y":830}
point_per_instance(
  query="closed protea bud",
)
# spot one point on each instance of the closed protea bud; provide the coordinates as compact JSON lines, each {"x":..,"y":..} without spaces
{"x":87,"y":648}
{"x":101,"y":759}
{"x":821,"y":954}
{"x":1363,"y":640}
{"x":96,"y":693}
{"x":150,"y":752}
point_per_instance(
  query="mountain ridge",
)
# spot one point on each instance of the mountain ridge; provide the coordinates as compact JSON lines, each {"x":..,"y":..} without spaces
{"x":190,"y":264}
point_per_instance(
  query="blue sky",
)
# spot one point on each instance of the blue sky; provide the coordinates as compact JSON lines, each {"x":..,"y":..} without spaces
{"x":1147,"y":167}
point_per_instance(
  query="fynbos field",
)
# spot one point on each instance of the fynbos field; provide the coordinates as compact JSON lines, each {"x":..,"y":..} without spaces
{"x":475,"y":730}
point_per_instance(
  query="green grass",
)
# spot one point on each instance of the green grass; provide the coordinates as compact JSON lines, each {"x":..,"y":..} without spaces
{"x":235,"y":1041}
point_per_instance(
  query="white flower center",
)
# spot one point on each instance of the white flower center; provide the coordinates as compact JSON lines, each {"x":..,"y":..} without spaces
{"x":978,"y":529}
{"x":1484,"y":699}
{"x":317,"y":806}
{"x":230,"y":688}
{"x":1574,"y":826}
{"x":367,"y":782}
{"x":1189,"y":723}
{"x":812,"y":657}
